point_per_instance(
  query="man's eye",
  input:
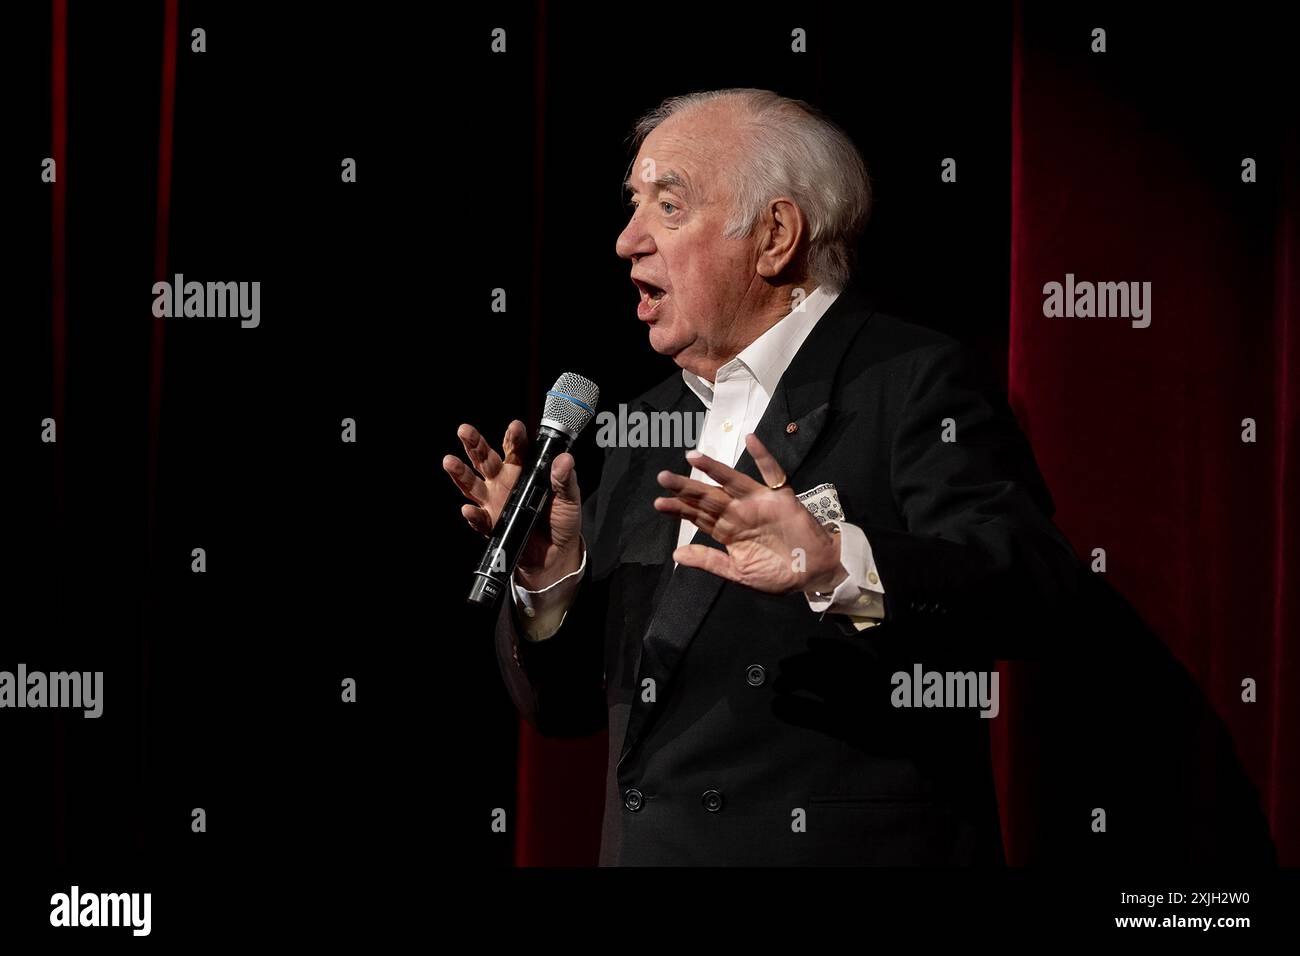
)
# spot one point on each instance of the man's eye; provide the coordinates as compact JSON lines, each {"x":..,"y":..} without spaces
{"x":668,"y":208}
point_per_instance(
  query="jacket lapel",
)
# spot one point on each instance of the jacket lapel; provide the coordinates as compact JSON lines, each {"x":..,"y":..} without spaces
{"x":646,"y":536}
{"x":802,"y":398}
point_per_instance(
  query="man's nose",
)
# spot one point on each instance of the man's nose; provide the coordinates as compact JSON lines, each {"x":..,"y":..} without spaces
{"x":634,"y":242}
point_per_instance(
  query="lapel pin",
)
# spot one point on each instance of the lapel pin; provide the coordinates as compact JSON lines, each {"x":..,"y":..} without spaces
{"x":791,"y":428}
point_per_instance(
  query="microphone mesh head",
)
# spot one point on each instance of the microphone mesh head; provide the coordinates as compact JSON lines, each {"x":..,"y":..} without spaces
{"x":570,"y":404}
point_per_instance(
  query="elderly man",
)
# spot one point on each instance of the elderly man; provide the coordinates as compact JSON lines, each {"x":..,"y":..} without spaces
{"x":770,"y":625}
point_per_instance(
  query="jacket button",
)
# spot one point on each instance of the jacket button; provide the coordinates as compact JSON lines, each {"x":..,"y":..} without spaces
{"x":633,"y":800}
{"x":712,"y":801}
{"x":755,"y":675}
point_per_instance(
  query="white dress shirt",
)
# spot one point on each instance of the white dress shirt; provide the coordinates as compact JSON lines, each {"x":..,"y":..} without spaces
{"x":735,"y":402}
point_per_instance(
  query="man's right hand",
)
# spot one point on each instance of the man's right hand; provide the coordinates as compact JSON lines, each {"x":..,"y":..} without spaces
{"x":554,"y":549}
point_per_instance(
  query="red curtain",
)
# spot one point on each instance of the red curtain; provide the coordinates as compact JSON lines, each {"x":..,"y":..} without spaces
{"x":1138,"y":431}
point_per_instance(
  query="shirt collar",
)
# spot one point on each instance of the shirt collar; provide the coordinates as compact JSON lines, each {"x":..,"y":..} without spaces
{"x":769,"y":355}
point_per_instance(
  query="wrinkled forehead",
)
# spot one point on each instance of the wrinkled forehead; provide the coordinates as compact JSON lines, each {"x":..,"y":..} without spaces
{"x":688,"y":153}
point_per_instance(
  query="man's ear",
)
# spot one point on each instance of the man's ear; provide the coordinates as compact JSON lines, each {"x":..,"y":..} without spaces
{"x":783,"y":229}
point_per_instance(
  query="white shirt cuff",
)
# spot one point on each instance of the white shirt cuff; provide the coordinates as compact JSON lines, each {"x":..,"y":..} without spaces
{"x":862,"y":593}
{"x":540,"y":613}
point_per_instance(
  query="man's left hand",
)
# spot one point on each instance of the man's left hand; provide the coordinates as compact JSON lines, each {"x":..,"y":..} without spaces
{"x":773,"y":543}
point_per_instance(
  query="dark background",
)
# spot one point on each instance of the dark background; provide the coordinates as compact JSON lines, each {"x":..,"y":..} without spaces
{"x":222,"y":690}
{"x":329,"y":560}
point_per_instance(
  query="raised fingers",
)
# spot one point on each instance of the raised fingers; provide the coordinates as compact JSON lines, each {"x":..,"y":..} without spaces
{"x":771,"y":470}
{"x":708,"y":559}
{"x":515,"y":443}
{"x":485,"y":461}
{"x":730,"y":480}
{"x":470,"y":484}
{"x":697,"y":494}
{"x":478,"y":519}
{"x":677,"y":508}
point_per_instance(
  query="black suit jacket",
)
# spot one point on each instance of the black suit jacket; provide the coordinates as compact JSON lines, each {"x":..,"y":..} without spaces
{"x":771,"y":737}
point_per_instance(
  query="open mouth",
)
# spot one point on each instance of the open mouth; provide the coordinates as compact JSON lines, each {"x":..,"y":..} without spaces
{"x":651,"y":296}
{"x":649,"y":291}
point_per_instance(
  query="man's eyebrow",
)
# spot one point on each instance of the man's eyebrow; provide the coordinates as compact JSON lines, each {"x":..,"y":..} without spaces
{"x":671,"y":179}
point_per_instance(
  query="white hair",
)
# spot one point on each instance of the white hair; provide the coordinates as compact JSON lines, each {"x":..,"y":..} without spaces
{"x":793,"y":150}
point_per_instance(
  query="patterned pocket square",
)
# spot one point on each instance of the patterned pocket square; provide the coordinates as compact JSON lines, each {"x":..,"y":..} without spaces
{"x":824,"y":503}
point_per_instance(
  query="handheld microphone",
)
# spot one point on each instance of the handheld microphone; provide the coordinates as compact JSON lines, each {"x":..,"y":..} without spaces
{"x":570,"y":406}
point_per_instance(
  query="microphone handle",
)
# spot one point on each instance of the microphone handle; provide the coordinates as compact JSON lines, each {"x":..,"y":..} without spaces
{"x":527,"y":499}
